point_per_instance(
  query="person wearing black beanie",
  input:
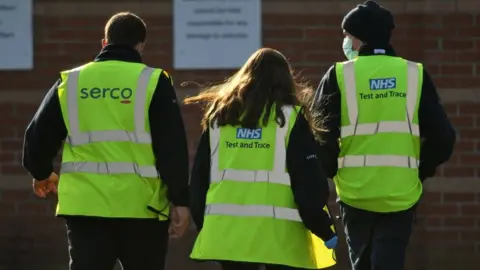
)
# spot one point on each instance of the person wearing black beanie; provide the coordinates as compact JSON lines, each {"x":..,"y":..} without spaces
{"x":370,"y":24}
{"x":386,"y":133}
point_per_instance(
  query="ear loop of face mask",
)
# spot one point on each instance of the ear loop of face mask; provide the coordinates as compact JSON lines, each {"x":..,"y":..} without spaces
{"x":348,"y":50}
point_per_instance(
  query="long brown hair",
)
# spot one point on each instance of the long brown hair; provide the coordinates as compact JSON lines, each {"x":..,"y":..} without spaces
{"x":265,"y":82}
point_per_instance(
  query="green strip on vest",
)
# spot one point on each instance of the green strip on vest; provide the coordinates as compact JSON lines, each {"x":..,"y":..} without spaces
{"x":251,"y":214}
{"x":380,"y":140}
{"x":108,"y":167}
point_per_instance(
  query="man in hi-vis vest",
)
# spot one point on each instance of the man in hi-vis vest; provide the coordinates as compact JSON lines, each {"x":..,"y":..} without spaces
{"x":124,"y":168}
{"x":388,"y":133}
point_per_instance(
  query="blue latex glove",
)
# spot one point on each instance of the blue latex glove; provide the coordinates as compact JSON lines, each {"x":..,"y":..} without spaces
{"x":332,"y":243}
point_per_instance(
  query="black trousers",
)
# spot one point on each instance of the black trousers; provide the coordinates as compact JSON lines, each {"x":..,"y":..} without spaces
{"x":377,"y":241}
{"x":253,"y":266}
{"x":97,"y":243}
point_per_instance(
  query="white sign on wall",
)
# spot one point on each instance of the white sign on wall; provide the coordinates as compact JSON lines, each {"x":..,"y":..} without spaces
{"x":16,"y":35}
{"x":215,"y":34}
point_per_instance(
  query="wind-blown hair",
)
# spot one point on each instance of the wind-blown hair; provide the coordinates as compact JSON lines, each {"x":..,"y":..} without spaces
{"x":262,"y":86}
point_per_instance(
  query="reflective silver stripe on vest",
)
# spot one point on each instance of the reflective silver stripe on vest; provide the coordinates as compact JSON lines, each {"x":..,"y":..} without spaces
{"x":377,"y":161}
{"x":80,"y":138}
{"x":139,"y":135}
{"x":406,"y":126}
{"x":277,"y":175}
{"x":109,"y":168}
{"x":253,"y":211}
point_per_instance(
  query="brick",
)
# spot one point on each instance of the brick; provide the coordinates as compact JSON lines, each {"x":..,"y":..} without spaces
{"x":464,"y":146}
{"x":440,"y":210}
{"x":470,"y":133}
{"x":7,"y":158}
{"x":17,"y":195}
{"x":420,"y":44}
{"x":6,"y":169}
{"x":328,"y":57}
{"x":458,"y":69}
{"x":297,"y":57}
{"x":296,"y":20}
{"x":7,"y":132}
{"x":6,"y":109}
{"x":453,"y":161}
{"x":445,"y":81}
{"x":426,"y":32}
{"x":468,"y":56}
{"x":11,"y":145}
{"x":459,"y":197}
{"x":72,"y":22}
{"x":321,"y":45}
{"x":432,"y":68}
{"x":462,"y":121}
{"x":442,"y":236}
{"x":442,"y":56}
{"x":468,"y":31}
{"x":458,"y":247}
{"x":467,"y":222}
{"x":456,"y":171}
{"x":321,"y":33}
{"x":451,"y":109}
{"x":431,"y":197}
{"x":33,"y":208}
{"x":7,"y":208}
{"x":288,"y":34}
{"x":458,"y":19}
{"x":457,"y":44}
{"x":25,"y":110}
{"x":467,"y":82}
{"x":471,"y":235}
{"x":470,"y":209}
{"x":415,"y":19}
{"x":434,"y":222}
{"x":470,"y":159}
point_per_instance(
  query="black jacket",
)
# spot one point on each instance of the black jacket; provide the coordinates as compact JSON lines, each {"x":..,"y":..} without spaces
{"x":308,"y":180}
{"x":46,"y":132}
{"x":437,"y":134}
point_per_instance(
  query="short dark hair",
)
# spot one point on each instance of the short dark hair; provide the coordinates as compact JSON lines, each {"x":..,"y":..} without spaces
{"x":125,"y":28}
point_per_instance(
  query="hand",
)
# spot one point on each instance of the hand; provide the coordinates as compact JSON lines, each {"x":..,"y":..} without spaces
{"x":179,"y":221}
{"x":42,"y":188}
{"x":332,"y":243}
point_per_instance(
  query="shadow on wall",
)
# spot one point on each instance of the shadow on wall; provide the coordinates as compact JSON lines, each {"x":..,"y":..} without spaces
{"x":23,"y":252}
{"x":14,"y":248}
{"x":37,"y":241}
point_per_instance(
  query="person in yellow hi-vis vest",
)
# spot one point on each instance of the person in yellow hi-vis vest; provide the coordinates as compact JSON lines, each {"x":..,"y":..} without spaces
{"x":387,"y":133}
{"x":258,"y":193}
{"x":124,"y":169}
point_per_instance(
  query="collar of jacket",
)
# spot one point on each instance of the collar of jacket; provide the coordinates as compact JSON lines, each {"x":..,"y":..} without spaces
{"x":119,"y":53}
{"x":367,"y":50}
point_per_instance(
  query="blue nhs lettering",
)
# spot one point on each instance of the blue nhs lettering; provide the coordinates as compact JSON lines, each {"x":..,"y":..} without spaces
{"x":383,"y":84}
{"x":249,"y":134}
{"x":103,"y":92}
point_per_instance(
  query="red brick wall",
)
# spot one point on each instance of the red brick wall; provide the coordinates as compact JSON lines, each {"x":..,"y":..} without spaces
{"x":445,"y":35}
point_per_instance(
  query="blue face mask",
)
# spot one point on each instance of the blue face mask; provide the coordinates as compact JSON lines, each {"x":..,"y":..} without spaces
{"x":348,"y":50}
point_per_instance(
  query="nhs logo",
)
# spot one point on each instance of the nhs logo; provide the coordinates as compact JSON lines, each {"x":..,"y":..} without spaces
{"x":383,"y":84}
{"x":249,"y":134}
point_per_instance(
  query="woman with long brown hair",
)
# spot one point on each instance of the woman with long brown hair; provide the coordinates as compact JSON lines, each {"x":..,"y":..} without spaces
{"x":258,"y":191}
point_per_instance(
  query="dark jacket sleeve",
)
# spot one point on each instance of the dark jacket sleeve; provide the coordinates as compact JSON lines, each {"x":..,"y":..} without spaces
{"x":327,"y":105}
{"x":438,"y":135}
{"x":200,"y":180}
{"x":169,"y":141}
{"x":309,"y":182}
{"x":44,"y":136}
